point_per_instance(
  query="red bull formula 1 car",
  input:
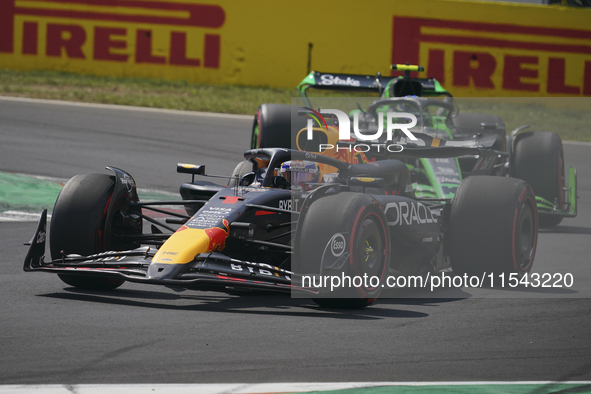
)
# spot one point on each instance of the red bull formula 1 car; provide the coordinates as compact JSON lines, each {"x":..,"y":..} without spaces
{"x":289,"y":217}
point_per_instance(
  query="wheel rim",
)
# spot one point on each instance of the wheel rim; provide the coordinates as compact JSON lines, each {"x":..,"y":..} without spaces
{"x":370,"y":249}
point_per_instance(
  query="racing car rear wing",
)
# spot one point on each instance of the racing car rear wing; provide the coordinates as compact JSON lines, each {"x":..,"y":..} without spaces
{"x":386,"y":86}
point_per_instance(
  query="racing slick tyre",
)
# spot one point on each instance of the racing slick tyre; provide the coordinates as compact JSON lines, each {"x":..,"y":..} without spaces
{"x":78,"y":226}
{"x":492,"y":226}
{"x":344,"y":235}
{"x":539,"y":160}
{"x":273,"y":124}
{"x":472,"y":123}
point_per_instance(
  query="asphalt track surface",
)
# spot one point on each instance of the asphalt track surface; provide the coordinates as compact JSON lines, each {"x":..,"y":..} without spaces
{"x":54,"y":334}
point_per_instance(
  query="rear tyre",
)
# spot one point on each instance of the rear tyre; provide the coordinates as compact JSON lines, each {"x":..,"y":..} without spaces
{"x":78,"y":226}
{"x":492,"y":226}
{"x":273,"y":125}
{"x":345,"y":235}
{"x":539,"y":160}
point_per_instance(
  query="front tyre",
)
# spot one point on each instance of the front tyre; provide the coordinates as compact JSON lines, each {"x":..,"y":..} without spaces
{"x":78,"y":226}
{"x":346,"y":236}
{"x":492,"y":226}
{"x":539,"y":160}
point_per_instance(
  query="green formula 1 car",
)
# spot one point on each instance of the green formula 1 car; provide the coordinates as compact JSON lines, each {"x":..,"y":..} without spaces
{"x":536,"y":157}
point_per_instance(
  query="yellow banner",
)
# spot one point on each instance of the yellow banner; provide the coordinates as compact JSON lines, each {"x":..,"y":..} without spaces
{"x":472,"y":48}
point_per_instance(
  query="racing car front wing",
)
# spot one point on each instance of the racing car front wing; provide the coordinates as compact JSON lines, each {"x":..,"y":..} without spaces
{"x":206,"y":271}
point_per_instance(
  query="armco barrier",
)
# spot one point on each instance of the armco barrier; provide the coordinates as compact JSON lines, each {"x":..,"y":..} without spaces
{"x":473,"y":48}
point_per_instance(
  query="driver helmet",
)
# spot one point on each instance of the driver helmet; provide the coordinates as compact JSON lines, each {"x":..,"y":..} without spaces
{"x":300,"y":172}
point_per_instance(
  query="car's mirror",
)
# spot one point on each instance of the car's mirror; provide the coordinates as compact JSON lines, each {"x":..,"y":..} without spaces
{"x":247,"y":179}
{"x":183,"y":168}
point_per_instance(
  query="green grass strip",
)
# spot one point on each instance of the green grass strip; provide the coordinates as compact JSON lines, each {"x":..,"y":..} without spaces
{"x":32,"y":194}
{"x":25,"y":193}
{"x":567,"y":116}
{"x":143,"y":92}
{"x":562,"y":388}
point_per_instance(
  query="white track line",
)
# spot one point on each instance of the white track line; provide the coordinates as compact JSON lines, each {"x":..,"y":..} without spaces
{"x":20,"y":216}
{"x":235,"y":388}
{"x":126,"y":108}
{"x":576,"y":143}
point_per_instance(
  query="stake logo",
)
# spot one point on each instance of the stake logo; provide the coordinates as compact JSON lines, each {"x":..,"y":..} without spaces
{"x":328,"y":79}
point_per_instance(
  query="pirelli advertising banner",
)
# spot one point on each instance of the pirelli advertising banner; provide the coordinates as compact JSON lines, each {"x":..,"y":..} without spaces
{"x":472,"y":48}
